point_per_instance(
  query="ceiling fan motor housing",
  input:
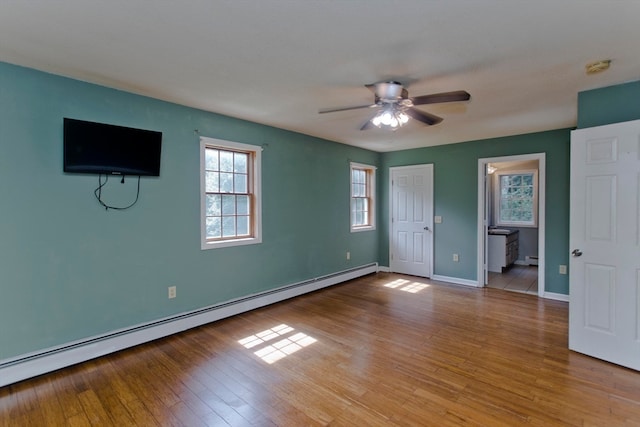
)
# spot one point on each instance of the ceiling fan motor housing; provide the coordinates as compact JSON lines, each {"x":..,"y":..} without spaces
{"x":389,"y":91}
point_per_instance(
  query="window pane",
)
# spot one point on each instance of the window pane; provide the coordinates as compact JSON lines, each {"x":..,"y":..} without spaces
{"x":226,"y":161}
{"x":228,"y":205}
{"x":228,"y":211}
{"x":516,"y":202}
{"x":213,"y":205}
{"x":228,"y":226}
{"x":213,"y":228}
{"x":240,"y":183}
{"x":212,"y":182}
{"x":362,"y":180}
{"x":243,"y":226}
{"x":226,"y":183}
{"x":356,"y":176}
{"x":211,"y":159}
{"x":240,"y":161}
{"x":242,"y":205}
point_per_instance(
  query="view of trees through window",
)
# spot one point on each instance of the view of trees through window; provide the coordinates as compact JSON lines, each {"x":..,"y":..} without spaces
{"x":359,"y":197}
{"x":228,"y":201}
{"x":517,"y":198}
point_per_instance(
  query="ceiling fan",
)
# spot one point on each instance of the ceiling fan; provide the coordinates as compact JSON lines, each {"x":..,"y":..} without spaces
{"x":395,"y":107}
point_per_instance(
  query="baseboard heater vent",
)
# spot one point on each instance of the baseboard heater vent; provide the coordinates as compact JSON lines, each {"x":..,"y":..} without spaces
{"x":531,"y":260}
{"x":40,"y":362}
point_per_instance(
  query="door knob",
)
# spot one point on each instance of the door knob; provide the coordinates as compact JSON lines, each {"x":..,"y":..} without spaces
{"x":426,"y":228}
{"x":576,"y":252}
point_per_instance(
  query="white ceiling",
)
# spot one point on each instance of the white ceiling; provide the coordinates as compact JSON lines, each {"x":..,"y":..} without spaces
{"x":278,"y":62}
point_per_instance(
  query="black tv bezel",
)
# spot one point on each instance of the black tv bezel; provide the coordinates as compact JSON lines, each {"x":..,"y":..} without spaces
{"x":103,"y":132}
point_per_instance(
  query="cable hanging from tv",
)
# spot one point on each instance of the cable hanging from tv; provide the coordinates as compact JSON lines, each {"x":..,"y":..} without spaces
{"x":98,"y":193}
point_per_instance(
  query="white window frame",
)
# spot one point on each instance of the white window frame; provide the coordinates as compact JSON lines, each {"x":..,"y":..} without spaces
{"x":498,"y":199}
{"x":255,"y":188}
{"x":371,"y":195}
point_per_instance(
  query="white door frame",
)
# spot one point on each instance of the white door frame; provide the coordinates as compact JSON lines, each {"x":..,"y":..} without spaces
{"x":429,"y":167}
{"x":482,"y":226}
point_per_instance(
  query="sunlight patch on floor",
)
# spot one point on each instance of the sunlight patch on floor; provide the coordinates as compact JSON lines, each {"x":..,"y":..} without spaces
{"x":280,"y":349}
{"x":406,"y":285}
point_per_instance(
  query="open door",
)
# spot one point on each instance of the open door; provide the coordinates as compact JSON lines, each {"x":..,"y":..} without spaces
{"x":604,"y":281}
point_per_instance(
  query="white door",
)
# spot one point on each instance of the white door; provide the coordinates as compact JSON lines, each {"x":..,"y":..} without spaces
{"x":411,"y":242}
{"x":604,"y":282}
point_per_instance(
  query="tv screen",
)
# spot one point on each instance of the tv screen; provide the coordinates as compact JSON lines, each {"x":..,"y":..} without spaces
{"x":99,"y":148}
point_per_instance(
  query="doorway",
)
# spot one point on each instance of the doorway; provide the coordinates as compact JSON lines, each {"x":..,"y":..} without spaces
{"x":511,"y":222}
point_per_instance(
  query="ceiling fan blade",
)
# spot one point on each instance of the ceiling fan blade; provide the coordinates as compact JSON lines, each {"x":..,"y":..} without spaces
{"x":333,"y":110}
{"x":423,"y":117}
{"x":436,"y":98}
{"x":367,"y":125}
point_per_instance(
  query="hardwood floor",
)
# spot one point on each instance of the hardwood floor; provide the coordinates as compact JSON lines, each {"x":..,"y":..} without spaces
{"x":382,"y":350}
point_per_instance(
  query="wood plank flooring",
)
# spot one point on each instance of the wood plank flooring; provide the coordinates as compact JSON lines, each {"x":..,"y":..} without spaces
{"x":382,"y":350}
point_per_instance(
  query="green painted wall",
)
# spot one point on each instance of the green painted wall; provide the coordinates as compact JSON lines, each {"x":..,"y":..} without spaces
{"x":70,"y":270}
{"x":456,"y":199}
{"x":608,"y":105}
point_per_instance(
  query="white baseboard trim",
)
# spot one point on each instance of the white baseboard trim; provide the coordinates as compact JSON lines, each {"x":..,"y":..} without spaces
{"x":48,"y":360}
{"x":555,"y":296}
{"x":455,"y":280}
{"x":384,"y":269}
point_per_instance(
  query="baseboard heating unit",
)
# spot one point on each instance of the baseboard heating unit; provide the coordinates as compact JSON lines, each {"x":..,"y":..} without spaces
{"x":48,"y":360}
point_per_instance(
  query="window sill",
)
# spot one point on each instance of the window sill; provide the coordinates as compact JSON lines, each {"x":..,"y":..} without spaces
{"x":365,"y":228}
{"x":230,"y":243}
{"x":515,"y":225}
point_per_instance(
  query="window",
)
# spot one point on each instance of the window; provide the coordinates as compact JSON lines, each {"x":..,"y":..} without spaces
{"x":517,"y":198}
{"x":363,"y":178}
{"x":230,"y":193}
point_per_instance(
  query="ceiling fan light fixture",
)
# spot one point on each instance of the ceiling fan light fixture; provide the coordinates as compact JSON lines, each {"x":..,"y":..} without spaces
{"x":391,"y":117}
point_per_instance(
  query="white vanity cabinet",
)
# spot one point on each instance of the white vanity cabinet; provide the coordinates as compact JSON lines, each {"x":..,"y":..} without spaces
{"x":503,"y":250}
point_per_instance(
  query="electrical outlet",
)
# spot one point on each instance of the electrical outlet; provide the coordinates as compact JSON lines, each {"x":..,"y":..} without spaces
{"x":456,"y":258}
{"x":562,"y":269}
{"x":348,"y":256}
{"x":172,"y":292}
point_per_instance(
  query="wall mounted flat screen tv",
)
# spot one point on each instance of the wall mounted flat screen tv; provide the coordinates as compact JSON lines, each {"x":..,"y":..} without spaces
{"x":98,"y":148}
